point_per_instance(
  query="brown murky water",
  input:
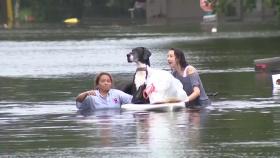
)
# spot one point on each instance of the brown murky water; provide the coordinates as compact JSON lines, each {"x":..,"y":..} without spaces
{"x":40,"y":79}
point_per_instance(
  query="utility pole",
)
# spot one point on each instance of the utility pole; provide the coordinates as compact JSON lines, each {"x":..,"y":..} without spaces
{"x":16,"y":12}
{"x":10,"y":16}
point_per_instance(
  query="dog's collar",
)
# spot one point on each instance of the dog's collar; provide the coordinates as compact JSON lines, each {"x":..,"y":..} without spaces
{"x":141,"y":69}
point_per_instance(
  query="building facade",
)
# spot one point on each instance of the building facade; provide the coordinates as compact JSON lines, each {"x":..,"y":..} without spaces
{"x":173,"y":11}
{"x":189,"y":11}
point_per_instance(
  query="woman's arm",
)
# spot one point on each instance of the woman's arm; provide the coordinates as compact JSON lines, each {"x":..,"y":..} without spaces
{"x":81,"y":97}
{"x":195,"y":94}
{"x":124,"y":97}
{"x":192,"y":72}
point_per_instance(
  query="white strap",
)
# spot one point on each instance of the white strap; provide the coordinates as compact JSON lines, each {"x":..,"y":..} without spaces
{"x":185,"y":73}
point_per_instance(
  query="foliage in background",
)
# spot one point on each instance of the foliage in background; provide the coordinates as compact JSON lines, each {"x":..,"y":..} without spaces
{"x":226,"y":7}
{"x":52,"y":10}
{"x":57,"y":10}
{"x":277,"y":2}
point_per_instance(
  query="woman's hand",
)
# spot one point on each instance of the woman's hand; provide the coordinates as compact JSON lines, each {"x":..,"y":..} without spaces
{"x":81,"y":97}
{"x":187,"y":99}
{"x":195,"y":94}
{"x":91,"y":92}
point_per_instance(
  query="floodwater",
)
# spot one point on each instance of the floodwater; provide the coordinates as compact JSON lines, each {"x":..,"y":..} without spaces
{"x":39,"y":80}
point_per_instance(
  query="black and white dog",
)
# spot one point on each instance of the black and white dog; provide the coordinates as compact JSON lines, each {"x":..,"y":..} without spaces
{"x":158,"y":86}
{"x":140,"y":56}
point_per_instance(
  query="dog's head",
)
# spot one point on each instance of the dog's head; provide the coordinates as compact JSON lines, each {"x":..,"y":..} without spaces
{"x":139,"y":54}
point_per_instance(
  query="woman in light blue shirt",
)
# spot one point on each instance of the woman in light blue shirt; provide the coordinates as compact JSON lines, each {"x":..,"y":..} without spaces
{"x":104,"y":97}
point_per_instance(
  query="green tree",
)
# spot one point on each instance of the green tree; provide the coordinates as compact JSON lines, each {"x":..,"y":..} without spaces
{"x":57,"y":10}
{"x":226,"y":6}
{"x":53,"y":10}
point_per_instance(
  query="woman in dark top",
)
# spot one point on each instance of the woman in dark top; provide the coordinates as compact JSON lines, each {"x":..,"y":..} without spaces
{"x":189,"y":77}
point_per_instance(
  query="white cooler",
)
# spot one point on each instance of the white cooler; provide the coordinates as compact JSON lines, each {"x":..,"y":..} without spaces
{"x":276,"y":81}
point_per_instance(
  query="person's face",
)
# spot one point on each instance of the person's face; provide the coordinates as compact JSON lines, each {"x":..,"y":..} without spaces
{"x":105,"y":83}
{"x":171,"y":59}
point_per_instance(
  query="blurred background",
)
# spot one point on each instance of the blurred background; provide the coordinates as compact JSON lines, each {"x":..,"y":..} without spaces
{"x":16,"y":13}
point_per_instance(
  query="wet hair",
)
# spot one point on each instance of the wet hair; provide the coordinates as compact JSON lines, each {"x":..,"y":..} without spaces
{"x":97,"y":78}
{"x":179,"y":55}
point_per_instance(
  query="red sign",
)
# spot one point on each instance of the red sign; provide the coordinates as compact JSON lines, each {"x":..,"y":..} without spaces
{"x":206,"y":5}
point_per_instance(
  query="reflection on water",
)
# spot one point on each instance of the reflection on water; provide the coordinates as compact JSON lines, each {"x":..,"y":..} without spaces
{"x":276,"y":95}
{"x":40,"y":79}
{"x":104,"y":132}
{"x":138,"y":134}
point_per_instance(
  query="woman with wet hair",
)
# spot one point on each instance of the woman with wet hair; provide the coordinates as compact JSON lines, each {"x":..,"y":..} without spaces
{"x":103,"y":96}
{"x":189,"y":77}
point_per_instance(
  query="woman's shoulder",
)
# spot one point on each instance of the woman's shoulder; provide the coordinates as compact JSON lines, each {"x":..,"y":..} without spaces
{"x":190,"y":70}
{"x":112,"y":90}
{"x":116,"y":91}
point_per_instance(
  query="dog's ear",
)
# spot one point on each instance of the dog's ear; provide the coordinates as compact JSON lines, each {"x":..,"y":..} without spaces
{"x":146,"y":53}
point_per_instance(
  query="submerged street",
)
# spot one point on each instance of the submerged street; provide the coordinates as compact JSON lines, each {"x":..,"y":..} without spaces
{"x":40,"y":78}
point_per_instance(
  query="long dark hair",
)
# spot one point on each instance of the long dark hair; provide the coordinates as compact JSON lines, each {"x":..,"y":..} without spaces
{"x":97,"y":78}
{"x":180,"y":57}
